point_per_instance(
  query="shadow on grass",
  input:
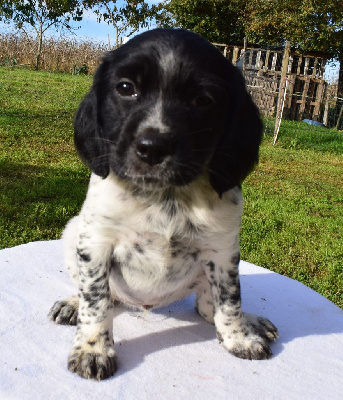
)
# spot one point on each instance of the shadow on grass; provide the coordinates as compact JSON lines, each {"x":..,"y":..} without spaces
{"x":37,"y":201}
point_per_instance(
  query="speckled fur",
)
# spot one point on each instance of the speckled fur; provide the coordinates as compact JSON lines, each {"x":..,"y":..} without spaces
{"x":148,"y":235}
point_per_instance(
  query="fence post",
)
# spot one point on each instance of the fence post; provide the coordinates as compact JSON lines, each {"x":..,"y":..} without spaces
{"x":244,"y":50}
{"x":300,"y":60}
{"x":235,"y":55}
{"x":266,"y":63}
{"x":318,"y":101}
{"x":339,"y":117}
{"x":302,"y":109}
{"x":326,"y":112}
{"x":282,"y":89}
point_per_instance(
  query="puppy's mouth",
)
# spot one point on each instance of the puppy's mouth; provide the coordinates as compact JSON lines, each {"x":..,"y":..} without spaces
{"x":158,"y":174}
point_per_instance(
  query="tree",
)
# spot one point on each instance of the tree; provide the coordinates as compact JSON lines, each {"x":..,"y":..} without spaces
{"x":40,"y":16}
{"x":216,"y":20}
{"x":125,"y":18}
{"x":310,"y":25}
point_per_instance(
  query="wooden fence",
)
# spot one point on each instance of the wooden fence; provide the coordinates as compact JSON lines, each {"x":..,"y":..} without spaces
{"x":304,"y":98}
{"x":264,"y":92}
{"x":275,"y":74}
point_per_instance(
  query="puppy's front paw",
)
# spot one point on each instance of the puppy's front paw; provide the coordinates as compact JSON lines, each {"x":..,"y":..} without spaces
{"x":65,"y":312}
{"x":249,"y":337}
{"x":92,"y":364}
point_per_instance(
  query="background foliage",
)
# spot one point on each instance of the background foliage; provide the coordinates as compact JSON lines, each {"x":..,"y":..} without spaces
{"x":310,"y":25}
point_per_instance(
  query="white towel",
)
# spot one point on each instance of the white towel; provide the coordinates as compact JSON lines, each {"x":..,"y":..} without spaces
{"x":171,"y":353}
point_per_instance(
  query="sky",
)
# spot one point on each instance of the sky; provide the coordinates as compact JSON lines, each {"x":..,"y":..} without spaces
{"x":89,"y":27}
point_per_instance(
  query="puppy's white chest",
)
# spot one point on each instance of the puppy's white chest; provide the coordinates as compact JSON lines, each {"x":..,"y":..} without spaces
{"x":153,"y":271}
{"x":158,"y":244}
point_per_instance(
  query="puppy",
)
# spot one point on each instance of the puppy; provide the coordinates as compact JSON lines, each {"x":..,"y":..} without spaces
{"x":169,"y":132}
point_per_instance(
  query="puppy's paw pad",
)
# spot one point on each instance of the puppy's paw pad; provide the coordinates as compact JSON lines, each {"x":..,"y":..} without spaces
{"x":97,"y":366}
{"x":65,"y":312}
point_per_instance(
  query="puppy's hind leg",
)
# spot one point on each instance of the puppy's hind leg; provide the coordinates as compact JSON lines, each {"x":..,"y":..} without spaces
{"x":204,"y":302}
{"x":69,"y":238}
{"x":65,"y":312}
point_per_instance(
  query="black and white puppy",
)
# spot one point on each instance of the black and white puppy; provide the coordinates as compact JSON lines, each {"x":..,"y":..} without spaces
{"x":169,"y":132}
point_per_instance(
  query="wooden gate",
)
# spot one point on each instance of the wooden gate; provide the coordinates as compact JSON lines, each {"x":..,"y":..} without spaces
{"x":304,"y":97}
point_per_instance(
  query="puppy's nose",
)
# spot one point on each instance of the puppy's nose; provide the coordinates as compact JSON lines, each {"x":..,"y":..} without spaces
{"x":152,"y":147}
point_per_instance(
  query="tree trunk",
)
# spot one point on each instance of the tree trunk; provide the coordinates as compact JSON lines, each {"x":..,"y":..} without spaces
{"x":117,"y":37}
{"x":39,"y":47}
{"x":340,"y":78}
{"x":339,"y":103}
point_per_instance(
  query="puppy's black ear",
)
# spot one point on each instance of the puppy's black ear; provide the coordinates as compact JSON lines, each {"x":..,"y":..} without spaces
{"x":92,"y":149}
{"x":237,"y":151}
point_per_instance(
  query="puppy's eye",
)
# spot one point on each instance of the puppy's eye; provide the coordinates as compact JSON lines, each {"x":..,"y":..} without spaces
{"x":202,"y":100}
{"x":126,"y":89}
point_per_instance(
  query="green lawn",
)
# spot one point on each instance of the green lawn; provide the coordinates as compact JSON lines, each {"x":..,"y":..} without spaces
{"x":42,"y":180}
{"x":293,"y":201}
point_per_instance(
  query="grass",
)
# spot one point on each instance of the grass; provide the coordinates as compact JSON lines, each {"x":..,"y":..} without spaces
{"x":293,"y":214}
{"x":42,"y":179}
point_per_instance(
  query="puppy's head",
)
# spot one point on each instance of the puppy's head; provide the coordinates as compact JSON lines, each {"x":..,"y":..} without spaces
{"x":165,"y":108}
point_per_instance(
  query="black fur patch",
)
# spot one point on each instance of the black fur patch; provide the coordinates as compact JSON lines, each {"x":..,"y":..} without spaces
{"x":235,"y":259}
{"x":138,"y":248}
{"x":83,"y":255}
{"x":211,"y":265}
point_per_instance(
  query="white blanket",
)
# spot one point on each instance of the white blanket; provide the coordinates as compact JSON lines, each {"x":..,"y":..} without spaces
{"x":171,"y":353}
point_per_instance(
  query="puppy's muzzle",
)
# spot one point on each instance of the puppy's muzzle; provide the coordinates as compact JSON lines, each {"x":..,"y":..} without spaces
{"x":153,"y":148}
